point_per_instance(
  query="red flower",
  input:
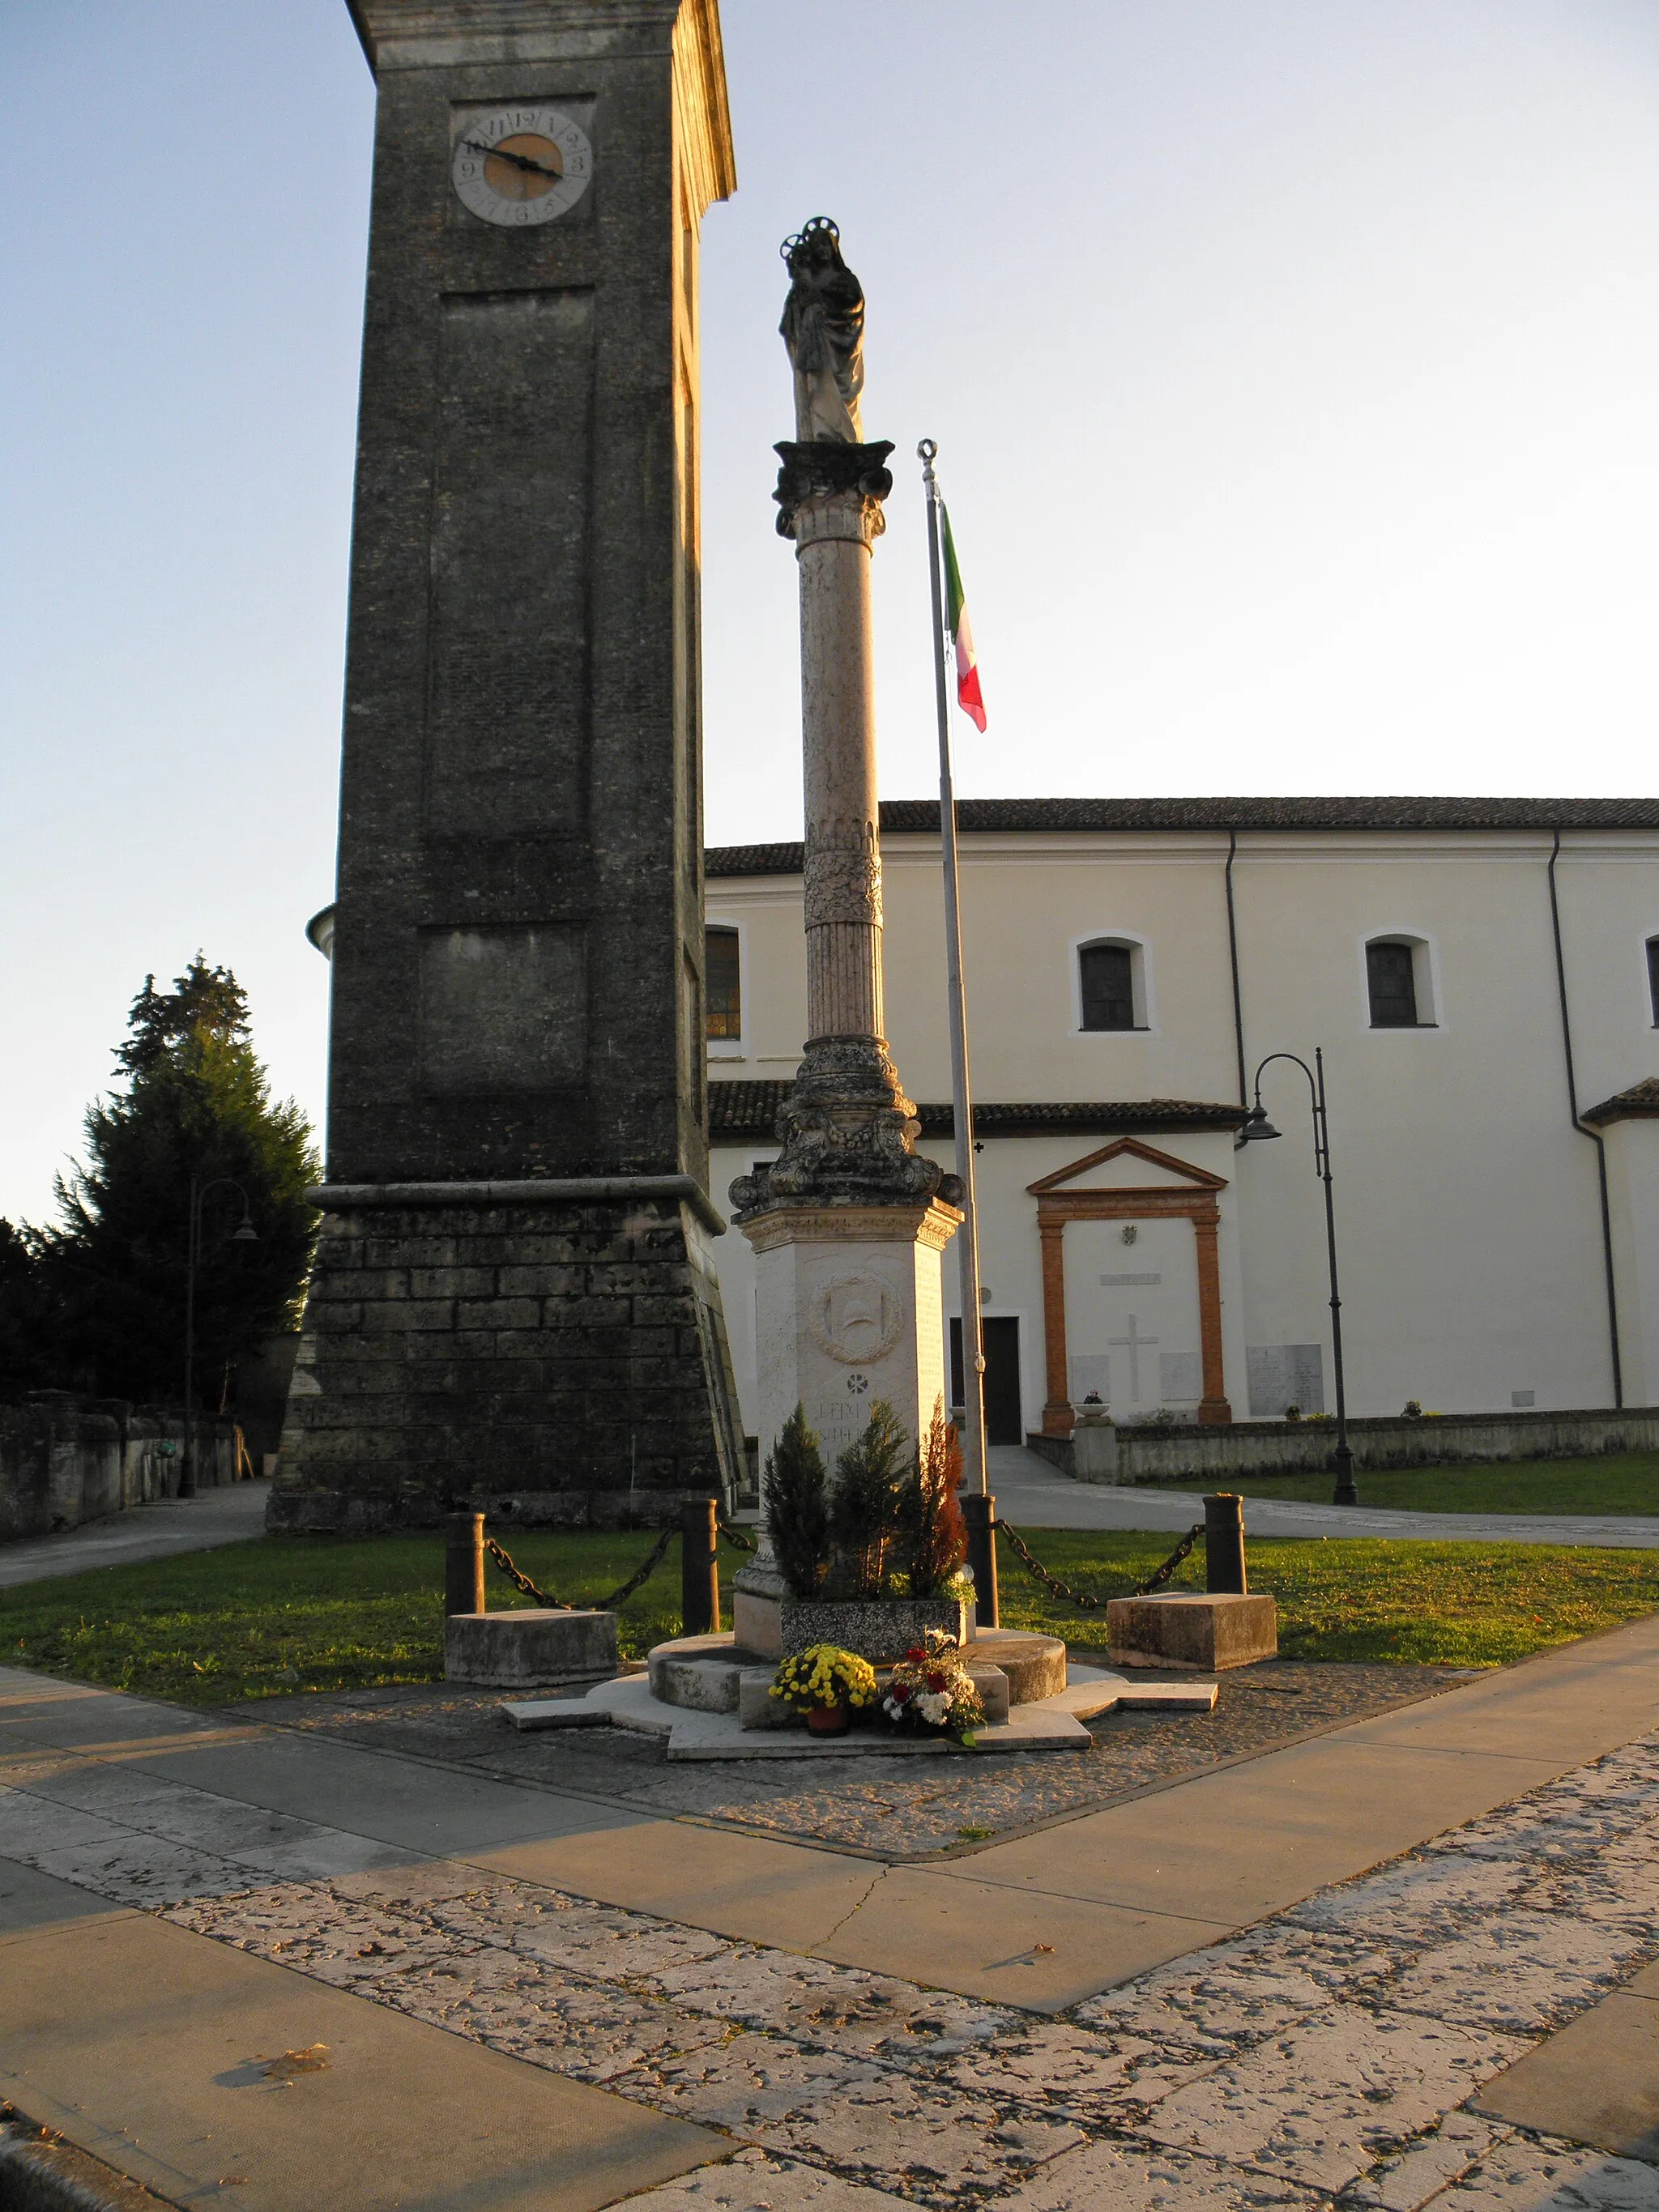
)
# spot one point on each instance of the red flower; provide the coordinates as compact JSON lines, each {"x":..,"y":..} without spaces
{"x":915,"y":1655}
{"x":900,"y":1694}
{"x":937,"y":1682}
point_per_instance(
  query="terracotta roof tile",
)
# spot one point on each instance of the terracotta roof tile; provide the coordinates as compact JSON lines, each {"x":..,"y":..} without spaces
{"x":748,"y":1110}
{"x":919,"y":816}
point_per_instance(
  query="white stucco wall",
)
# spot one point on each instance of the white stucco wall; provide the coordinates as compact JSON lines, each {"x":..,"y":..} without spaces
{"x":1468,"y":1208}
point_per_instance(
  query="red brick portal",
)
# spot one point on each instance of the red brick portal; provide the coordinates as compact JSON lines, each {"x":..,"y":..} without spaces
{"x":1057,"y":1205}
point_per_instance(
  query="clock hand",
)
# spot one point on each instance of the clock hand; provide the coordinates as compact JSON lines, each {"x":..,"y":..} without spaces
{"x":519,"y":160}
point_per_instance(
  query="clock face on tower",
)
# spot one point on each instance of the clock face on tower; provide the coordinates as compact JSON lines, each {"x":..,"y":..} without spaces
{"x":521,"y":164}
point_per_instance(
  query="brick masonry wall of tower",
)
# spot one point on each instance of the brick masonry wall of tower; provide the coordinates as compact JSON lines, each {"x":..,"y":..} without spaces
{"x":555,"y":1355}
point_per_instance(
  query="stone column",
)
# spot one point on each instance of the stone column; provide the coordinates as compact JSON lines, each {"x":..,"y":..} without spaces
{"x":849,"y":1223}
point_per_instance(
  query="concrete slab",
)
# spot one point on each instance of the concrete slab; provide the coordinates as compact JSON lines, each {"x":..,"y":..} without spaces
{"x":202,"y":2072}
{"x":431,"y":1810}
{"x":531,"y":1713}
{"x":35,"y":1709}
{"x":1046,"y":1726}
{"x":694,"y":1733}
{"x":747,"y":1886}
{"x":1169,"y":1697}
{"x":1042,"y":1951}
{"x":1252,"y":1839}
{"x":33,"y":1900}
{"x":1597,"y":2081}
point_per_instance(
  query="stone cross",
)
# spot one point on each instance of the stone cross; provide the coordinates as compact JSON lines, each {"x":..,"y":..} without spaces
{"x":1136,"y":1345}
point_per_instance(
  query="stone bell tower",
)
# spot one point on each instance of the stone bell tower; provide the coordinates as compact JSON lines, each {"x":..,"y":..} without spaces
{"x":512,"y":1299}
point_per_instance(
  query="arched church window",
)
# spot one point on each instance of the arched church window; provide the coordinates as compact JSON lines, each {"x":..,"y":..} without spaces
{"x":1653,"y":979}
{"x":1398,"y":983}
{"x":1110,"y":985}
{"x":722,"y":984}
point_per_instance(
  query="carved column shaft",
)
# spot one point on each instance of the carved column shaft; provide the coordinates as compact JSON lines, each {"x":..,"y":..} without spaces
{"x":843,"y":868}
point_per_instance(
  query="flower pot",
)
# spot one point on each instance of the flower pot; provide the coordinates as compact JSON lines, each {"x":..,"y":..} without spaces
{"x":828,"y":1719}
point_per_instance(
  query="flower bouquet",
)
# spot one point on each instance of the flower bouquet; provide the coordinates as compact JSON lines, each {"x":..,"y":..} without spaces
{"x":931,"y":1693}
{"x":827,"y":1683}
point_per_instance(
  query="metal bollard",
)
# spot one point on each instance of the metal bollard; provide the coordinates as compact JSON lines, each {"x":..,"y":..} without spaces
{"x":980,"y":1515}
{"x":463,"y":1564}
{"x":1224,"y":1544}
{"x":700,"y":1573}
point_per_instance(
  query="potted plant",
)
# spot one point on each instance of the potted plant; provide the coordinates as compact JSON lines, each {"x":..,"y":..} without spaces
{"x":827,"y":1685}
{"x":931,"y":1692}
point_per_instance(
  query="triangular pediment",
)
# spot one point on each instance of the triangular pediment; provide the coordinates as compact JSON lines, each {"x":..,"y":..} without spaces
{"x":1124,"y":1164}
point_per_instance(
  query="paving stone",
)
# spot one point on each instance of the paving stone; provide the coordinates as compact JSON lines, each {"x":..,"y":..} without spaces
{"x":1234,"y":1994}
{"x":752,"y":2182}
{"x":861,"y":2013}
{"x":1532,"y":2174}
{"x":1522,"y":1971}
{"x":571,"y":2027}
{"x":1073,"y":2071}
{"x":1423,"y":1899}
{"x":1128,"y":2179}
{"x":872,"y":2123}
{"x":130,"y":1869}
{"x":1445,"y":2152}
{"x":1620,"y":1883}
{"x":1323,"y":2102}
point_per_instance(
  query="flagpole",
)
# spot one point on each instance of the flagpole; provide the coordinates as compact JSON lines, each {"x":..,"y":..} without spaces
{"x":979,"y":1505}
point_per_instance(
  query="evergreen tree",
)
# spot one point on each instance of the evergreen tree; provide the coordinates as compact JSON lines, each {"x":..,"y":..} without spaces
{"x":935,"y":1536}
{"x":25,"y":1330}
{"x":796,"y":1508}
{"x":867,"y":1505}
{"x":197,"y":1112}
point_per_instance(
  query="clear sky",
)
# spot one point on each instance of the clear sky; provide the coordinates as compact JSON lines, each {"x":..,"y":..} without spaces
{"x":1293,"y":365}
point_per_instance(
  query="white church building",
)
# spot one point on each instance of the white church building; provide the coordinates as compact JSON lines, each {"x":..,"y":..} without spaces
{"x":1482,"y":976}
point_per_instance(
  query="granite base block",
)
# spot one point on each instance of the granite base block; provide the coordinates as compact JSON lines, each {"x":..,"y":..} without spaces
{"x":532,"y":1648}
{"x":877,"y":1629}
{"x":1205,"y":1633}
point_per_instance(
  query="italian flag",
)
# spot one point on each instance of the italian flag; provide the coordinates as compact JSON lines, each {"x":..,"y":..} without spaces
{"x":962,"y":632}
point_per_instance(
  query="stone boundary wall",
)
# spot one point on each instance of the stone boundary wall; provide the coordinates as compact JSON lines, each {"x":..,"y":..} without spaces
{"x":1188,"y":1453}
{"x":65,"y":1460}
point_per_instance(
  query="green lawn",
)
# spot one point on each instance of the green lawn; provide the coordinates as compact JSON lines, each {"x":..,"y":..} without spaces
{"x":314,"y":1613}
{"x":1459,"y":1605}
{"x":284,"y":1614}
{"x":1621,"y":1482}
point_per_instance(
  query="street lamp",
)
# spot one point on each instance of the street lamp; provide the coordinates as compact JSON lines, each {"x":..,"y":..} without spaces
{"x":244,"y":1233}
{"x":1258,"y":1129}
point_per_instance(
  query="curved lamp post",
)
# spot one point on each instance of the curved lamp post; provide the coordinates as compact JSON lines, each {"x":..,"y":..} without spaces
{"x":244,"y":1233}
{"x":1256,"y":1130}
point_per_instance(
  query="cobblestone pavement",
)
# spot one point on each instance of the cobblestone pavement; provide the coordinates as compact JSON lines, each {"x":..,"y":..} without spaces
{"x":891,"y":1807}
{"x":1325,"y":2056}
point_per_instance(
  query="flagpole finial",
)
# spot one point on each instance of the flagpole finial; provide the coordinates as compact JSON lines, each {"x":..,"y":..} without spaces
{"x":925,"y":452}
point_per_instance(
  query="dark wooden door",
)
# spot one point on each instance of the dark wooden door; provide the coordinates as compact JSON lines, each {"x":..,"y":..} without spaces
{"x":1001,"y":1333}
